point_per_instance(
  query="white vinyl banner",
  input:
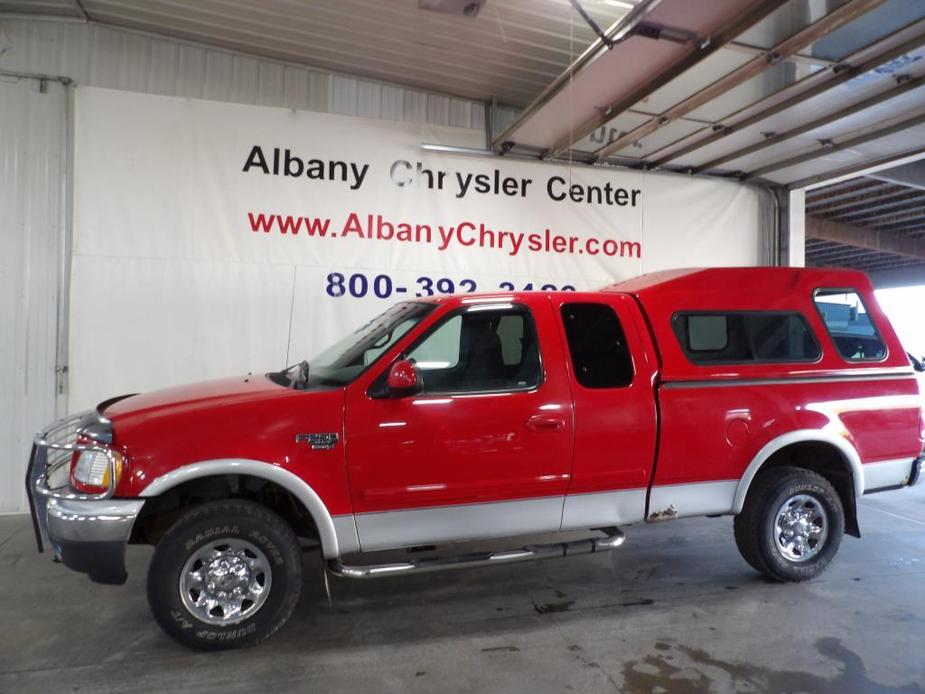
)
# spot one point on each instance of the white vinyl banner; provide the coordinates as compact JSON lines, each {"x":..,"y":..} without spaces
{"x":213,"y":239}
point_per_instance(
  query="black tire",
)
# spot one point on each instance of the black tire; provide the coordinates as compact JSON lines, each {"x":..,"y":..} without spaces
{"x":755,"y":526}
{"x":243,"y":524}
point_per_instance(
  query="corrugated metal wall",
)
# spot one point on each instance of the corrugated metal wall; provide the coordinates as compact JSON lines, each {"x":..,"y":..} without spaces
{"x":121,"y":59}
{"x":32,"y":164}
{"x":32,"y":160}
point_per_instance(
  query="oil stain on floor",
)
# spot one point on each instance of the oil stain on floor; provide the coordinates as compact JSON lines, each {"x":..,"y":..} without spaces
{"x":657,"y":673}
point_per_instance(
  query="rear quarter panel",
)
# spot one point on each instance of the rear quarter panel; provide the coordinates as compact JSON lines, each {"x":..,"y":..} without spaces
{"x":712,"y":432}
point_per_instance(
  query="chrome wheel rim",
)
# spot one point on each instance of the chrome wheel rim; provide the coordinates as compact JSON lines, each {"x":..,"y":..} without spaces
{"x":225,"y":581}
{"x":801,"y":527}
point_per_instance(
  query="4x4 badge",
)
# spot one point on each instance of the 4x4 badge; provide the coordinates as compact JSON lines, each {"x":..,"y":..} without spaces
{"x":318,"y":442}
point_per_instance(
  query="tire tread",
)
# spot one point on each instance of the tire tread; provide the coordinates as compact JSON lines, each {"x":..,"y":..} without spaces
{"x":161,"y":567}
{"x":748,"y":525}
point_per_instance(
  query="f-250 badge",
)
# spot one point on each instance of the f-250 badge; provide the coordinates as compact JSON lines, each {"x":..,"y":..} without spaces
{"x":318,"y":442}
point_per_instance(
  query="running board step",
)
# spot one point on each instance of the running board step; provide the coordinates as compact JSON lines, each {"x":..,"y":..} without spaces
{"x":613,"y":540}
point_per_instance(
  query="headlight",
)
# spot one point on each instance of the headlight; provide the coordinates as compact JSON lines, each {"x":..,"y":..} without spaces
{"x":91,"y":471}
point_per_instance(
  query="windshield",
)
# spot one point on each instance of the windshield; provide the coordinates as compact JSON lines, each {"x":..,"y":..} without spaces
{"x":348,"y":358}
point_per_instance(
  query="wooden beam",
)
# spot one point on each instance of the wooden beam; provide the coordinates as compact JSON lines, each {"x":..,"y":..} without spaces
{"x":860,"y":237}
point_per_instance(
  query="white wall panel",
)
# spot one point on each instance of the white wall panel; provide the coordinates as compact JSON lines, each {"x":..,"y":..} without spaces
{"x":32,"y":161}
{"x":188,"y":320}
{"x":103,"y":56}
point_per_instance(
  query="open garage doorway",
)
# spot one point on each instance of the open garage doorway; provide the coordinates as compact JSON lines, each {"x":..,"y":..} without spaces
{"x":875,"y":222}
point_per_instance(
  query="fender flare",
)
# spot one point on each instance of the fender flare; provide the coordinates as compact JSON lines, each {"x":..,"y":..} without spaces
{"x":256,"y":468}
{"x":848,"y":452}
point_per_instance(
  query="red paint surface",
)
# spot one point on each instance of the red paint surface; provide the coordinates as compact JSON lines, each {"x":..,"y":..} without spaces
{"x":433,"y":450}
{"x":249,"y":418}
{"x":421,"y":451}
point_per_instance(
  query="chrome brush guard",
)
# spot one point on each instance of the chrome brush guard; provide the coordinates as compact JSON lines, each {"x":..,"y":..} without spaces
{"x":49,"y":466}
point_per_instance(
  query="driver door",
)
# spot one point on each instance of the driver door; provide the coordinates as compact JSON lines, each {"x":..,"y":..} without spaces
{"x":483,"y":450}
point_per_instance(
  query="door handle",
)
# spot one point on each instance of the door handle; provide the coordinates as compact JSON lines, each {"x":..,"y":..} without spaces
{"x":546,"y":422}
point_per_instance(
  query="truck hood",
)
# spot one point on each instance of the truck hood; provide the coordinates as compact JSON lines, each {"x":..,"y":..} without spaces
{"x":246,"y":418}
{"x":194,"y":396}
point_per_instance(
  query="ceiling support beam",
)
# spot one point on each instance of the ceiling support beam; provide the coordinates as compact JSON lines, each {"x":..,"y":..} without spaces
{"x":703,"y":50}
{"x":81,"y":10}
{"x":867,"y":261}
{"x":831,"y":146}
{"x":844,"y":204}
{"x":845,"y":189}
{"x":859,"y":237}
{"x":903,"y":87}
{"x":837,"y":252}
{"x":910,"y":224}
{"x":853,"y":66}
{"x":910,"y":175}
{"x":864,"y":168}
{"x":886,"y":213}
{"x":749,"y":49}
{"x":789,"y":46}
{"x":620,"y":31}
{"x":881,"y":267}
{"x":589,"y":20}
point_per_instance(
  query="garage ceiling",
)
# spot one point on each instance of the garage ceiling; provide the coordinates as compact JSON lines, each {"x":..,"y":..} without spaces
{"x":779,"y":91}
{"x":511,"y":50}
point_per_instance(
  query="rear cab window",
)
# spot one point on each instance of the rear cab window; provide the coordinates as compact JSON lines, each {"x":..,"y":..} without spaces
{"x":745,"y":337}
{"x":597,"y":345}
{"x":849,"y":325}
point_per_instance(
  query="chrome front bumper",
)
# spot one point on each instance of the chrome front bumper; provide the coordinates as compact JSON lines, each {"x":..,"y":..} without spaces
{"x":87,"y":533}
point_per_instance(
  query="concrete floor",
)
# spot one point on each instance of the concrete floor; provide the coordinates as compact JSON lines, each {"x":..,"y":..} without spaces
{"x":674,"y":610}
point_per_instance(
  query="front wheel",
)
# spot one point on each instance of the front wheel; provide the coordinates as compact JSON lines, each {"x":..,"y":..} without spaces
{"x":227,"y":574}
{"x":791,"y":525}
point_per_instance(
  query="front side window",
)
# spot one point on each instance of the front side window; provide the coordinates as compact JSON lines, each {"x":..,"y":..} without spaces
{"x":741,"y":337}
{"x":597,"y":345}
{"x":852,"y":330}
{"x":480,"y":350}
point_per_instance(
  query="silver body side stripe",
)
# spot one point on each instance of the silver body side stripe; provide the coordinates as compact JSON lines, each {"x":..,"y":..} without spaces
{"x":345,"y":528}
{"x":694,"y":499}
{"x":424,"y":526}
{"x":599,"y":509}
{"x":886,"y":473}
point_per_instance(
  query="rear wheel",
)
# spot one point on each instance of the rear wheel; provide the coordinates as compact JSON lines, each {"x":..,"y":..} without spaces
{"x":791,"y":525}
{"x":227,"y":574}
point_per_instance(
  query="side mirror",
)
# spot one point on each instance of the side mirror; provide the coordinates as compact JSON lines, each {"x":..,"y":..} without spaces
{"x":403,"y":378}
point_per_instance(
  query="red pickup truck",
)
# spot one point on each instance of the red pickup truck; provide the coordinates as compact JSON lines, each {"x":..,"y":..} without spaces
{"x":775,"y":395}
